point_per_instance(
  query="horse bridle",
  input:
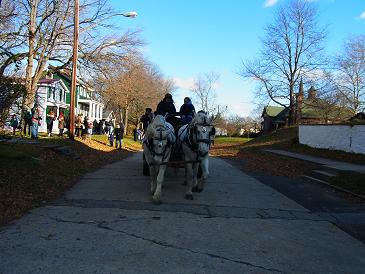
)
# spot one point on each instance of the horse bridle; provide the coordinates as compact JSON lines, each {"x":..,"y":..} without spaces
{"x":194,"y":145}
{"x":154,"y":153}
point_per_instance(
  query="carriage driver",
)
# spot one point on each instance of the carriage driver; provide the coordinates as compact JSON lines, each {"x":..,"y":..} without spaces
{"x":167,"y":106}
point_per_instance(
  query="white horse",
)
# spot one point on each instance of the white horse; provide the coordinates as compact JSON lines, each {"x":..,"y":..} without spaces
{"x":157,"y":146}
{"x":195,"y":139}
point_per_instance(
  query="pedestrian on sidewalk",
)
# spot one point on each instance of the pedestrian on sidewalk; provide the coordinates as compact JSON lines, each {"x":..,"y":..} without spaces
{"x":89,"y":129}
{"x":78,"y":125}
{"x":51,"y":116}
{"x":36,"y":121}
{"x":111,"y":136}
{"x":14,"y":123}
{"x":61,"y":124}
{"x":119,"y":131}
{"x":27,"y":122}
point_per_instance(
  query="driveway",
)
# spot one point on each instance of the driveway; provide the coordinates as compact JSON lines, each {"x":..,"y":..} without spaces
{"x":108,"y":224}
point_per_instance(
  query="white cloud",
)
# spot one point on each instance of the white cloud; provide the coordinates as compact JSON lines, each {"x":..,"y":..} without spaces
{"x":362,"y":16}
{"x":183,"y":83}
{"x":270,"y":3}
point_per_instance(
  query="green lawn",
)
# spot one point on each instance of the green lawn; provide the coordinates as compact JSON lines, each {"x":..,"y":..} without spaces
{"x":127,"y":141}
{"x":231,"y":140}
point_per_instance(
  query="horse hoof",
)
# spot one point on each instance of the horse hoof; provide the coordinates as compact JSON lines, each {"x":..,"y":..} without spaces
{"x":189,"y":197}
{"x":157,"y":202}
{"x":197,"y":189}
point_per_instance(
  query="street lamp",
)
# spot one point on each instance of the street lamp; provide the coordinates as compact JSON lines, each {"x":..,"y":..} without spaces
{"x":131,"y":14}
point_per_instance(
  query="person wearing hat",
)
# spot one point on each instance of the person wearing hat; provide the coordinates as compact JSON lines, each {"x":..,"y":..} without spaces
{"x":187,"y":111}
{"x":166,"y":106}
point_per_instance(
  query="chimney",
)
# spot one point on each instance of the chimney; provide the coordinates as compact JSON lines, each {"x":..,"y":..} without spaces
{"x":49,"y":75}
{"x":312,"y":93}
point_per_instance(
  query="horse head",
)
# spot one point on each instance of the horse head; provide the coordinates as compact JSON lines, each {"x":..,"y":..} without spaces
{"x":202,"y":132}
{"x":159,"y":136}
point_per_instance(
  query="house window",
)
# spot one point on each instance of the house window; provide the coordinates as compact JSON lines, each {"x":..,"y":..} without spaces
{"x":51,"y":93}
{"x":61,"y":94}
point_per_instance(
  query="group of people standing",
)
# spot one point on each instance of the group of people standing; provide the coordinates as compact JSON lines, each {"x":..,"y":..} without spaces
{"x":32,"y":119}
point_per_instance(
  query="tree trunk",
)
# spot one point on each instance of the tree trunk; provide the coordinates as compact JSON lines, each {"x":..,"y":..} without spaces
{"x":291,"y":106}
{"x":126,"y":119}
{"x":30,"y":94}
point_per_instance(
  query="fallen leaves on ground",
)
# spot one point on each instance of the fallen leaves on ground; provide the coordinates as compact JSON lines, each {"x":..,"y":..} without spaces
{"x":31,"y":175}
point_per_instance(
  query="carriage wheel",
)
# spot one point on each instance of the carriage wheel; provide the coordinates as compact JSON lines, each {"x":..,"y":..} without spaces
{"x":146,"y":168}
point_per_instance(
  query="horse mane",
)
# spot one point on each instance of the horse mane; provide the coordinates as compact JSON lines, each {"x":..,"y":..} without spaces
{"x":199,"y":119}
{"x":158,"y":122}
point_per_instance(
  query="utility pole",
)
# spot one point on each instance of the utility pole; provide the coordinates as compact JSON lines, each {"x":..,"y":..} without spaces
{"x":74,"y":70}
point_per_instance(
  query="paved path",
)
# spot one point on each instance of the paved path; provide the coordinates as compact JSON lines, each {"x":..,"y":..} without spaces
{"x":107,"y":224}
{"x":323,"y":161}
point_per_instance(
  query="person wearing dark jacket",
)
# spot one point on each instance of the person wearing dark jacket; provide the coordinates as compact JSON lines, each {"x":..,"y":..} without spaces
{"x":119,"y":131}
{"x":187,"y":111}
{"x":166,"y":106}
{"x":146,"y":118}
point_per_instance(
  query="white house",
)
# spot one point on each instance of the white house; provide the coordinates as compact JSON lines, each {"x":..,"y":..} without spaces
{"x":52,"y":95}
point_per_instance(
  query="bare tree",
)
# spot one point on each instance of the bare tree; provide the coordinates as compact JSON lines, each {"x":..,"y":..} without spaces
{"x":43,"y":31}
{"x":292,"y":48}
{"x":351,"y":72}
{"x":133,"y":86}
{"x":204,"y":90}
{"x":8,"y":39}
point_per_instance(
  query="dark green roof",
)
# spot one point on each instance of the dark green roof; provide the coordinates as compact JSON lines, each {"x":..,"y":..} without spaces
{"x":273,"y":111}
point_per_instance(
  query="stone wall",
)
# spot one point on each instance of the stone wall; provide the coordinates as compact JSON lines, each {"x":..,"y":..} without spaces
{"x":335,"y":137}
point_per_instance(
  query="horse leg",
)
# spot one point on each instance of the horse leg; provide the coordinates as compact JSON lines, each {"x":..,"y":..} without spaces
{"x":205,"y":170}
{"x":189,"y":182}
{"x":157,"y":197}
{"x":153,"y":175}
{"x":195,"y":177}
{"x":186,"y":177}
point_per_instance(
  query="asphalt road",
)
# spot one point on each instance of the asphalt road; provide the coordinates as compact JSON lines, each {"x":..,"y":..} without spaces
{"x":108,"y":224}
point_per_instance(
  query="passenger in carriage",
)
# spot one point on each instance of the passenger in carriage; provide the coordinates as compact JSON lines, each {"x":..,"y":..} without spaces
{"x":167,"y":106}
{"x":187,"y":111}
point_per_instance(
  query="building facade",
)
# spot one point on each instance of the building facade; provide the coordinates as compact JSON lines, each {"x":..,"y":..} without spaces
{"x":53,"y":94}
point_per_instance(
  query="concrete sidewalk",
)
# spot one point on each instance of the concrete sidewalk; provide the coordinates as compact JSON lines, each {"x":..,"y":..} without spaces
{"x":108,"y":224}
{"x":322,"y":161}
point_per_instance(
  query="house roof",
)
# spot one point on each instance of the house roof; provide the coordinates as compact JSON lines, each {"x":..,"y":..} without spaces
{"x":272,"y":111}
{"x":48,"y":81}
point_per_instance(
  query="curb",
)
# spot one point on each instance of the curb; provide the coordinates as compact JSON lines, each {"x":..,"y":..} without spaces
{"x":334,"y":187}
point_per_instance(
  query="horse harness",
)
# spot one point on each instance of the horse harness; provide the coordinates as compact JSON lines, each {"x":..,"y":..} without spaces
{"x":149,"y":143}
{"x":194,"y":146}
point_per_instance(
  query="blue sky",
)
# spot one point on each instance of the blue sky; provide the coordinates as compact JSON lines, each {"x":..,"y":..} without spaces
{"x":188,"y":37}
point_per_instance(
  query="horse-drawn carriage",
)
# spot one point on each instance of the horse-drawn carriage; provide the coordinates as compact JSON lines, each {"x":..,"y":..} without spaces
{"x":180,"y":146}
